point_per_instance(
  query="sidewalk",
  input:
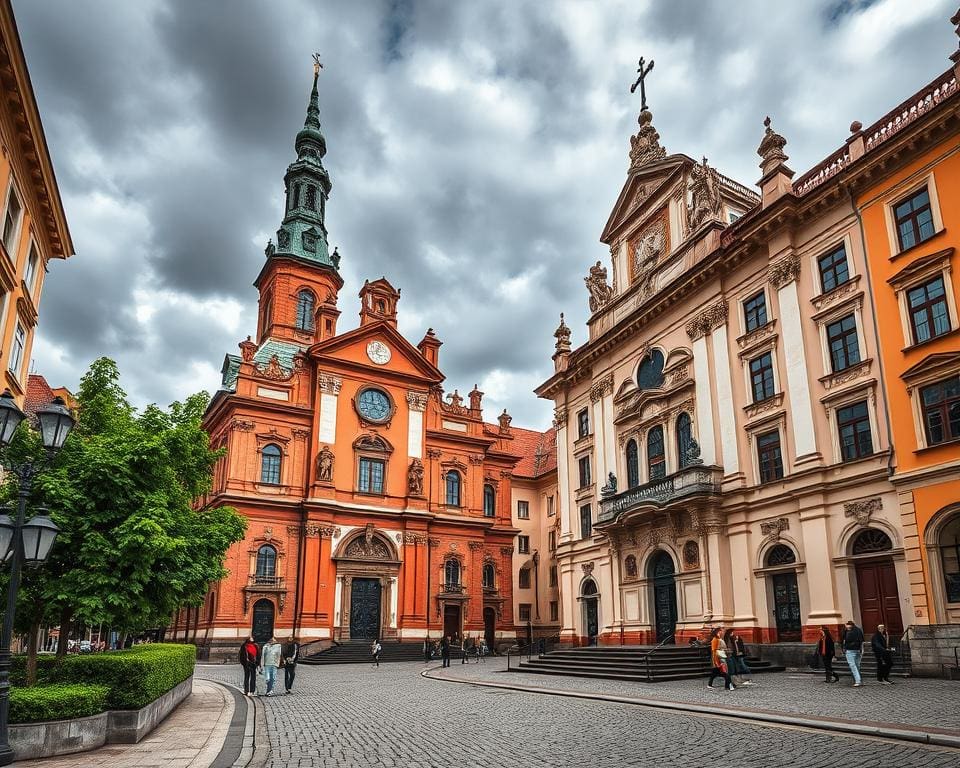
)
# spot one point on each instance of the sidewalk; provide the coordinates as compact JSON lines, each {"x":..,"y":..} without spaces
{"x":201,"y":730}
{"x":915,"y":709}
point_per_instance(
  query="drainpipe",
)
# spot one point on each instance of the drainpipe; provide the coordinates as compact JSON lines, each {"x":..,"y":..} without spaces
{"x":876,"y":329}
{"x":298,"y":593}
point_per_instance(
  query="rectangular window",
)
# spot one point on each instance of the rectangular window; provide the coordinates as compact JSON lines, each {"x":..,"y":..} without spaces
{"x":552,"y":540}
{"x":11,"y":221}
{"x":914,"y":219}
{"x":554,"y":610}
{"x":524,"y":611}
{"x":270,"y":467}
{"x":755,"y":311}
{"x":761,"y":377}
{"x":833,"y":269}
{"x":523,"y":545}
{"x":843,"y":344}
{"x":16,"y":352}
{"x":550,"y":510}
{"x":584,"y":465}
{"x":586,"y":522}
{"x":927,"y":305}
{"x":853,"y":423}
{"x":30,"y":271}
{"x":941,"y":410}
{"x":553,"y":576}
{"x":523,"y":510}
{"x":524,"y":578}
{"x":769,"y":456}
{"x":583,"y":423}
{"x":371,"y":475}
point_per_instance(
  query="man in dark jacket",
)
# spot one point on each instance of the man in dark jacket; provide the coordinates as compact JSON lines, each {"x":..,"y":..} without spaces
{"x":445,"y":650}
{"x":853,"y":650}
{"x":250,"y":661}
{"x":880,"y":643}
{"x":291,"y":652}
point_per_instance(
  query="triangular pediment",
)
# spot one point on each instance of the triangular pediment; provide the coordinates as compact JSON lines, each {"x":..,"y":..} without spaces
{"x":933,"y":365}
{"x":641,"y":186}
{"x":351,"y":349}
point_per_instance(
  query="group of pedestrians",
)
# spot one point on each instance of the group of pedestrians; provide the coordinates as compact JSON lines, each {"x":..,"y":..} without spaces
{"x":265,"y":660}
{"x":728,"y":657}
{"x":476,"y":649}
{"x":851,"y":642}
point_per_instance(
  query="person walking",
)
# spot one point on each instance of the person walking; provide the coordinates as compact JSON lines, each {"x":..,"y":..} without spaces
{"x":853,"y":650}
{"x":880,"y":643}
{"x":826,"y":649}
{"x":464,"y":649}
{"x":249,"y":660}
{"x":270,"y":659}
{"x":291,"y":652}
{"x":427,"y":650}
{"x":738,"y":654}
{"x":718,"y":657}
{"x":375,"y":650}
{"x":445,"y":650}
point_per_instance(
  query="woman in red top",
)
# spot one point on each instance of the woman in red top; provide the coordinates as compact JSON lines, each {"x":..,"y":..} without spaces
{"x":249,"y":660}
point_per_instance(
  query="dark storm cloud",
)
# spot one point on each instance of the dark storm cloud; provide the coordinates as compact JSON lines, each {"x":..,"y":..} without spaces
{"x":475,"y":149}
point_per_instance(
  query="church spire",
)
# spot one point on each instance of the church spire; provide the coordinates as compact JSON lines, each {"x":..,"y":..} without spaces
{"x":303,"y":233}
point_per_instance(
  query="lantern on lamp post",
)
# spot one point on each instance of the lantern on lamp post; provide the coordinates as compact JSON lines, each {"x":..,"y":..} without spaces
{"x":24,"y":541}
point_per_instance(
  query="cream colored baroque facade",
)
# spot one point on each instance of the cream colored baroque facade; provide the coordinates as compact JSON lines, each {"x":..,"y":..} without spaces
{"x":33,"y":227}
{"x":721,"y":435}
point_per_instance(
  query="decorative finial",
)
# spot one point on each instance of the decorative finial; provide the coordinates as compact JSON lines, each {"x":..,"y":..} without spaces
{"x":642,"y":72}
{"x":771,"y":147}
{"x":766,"y":122}
{"x":562,"y":335}
{"x":317,"y":66}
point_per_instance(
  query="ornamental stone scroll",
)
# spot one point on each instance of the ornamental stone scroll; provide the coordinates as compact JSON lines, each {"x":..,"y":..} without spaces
{"x":784,"y":271}
{"x":329,"y":384}
{"x":712,"y":317}
{"x":862,"y":510}
{"x":417,"y":401}
{"x":603,"y":386}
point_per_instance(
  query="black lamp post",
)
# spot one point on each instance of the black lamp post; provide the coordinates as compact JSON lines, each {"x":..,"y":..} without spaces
{"x":24,"y":541}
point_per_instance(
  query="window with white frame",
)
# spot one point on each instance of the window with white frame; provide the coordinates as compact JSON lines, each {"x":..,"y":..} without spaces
{"x":834,"y":269}
{"x":755,"y":312}
{"x":11,"y":221}
{"x":30,"y":270}
{"x":925,"y":297}
{"x":940,"y":403}
{"x":523,"y":545}
{"x":843,"y":343}
{"x":853,"y":428}
{"x":16,"y":351}
{"x":913,"y":217}
{"x":523,"y":510}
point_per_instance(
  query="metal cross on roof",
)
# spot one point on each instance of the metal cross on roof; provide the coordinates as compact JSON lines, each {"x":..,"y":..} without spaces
{"x":317,"y":66}
{"x":643,"y":72}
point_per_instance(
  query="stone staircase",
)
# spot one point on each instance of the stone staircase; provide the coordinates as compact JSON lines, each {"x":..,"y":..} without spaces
{"x":868,"y":665}
{"x":358,"y":652}
{"x":635,"y":663}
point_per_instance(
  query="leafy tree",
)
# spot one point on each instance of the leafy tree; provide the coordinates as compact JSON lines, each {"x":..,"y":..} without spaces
{"x":133,"y":546}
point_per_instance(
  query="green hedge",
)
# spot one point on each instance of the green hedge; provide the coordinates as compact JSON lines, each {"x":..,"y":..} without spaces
{"x":135,"y":676}
{"x":56,"y":702}
{"x":18,"y":669}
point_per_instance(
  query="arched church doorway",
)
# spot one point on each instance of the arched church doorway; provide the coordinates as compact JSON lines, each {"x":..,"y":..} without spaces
{"x":877,"y":582}
{"x":262,"y":621}
{"x":591,"y":610}
{"x":661,"y":572}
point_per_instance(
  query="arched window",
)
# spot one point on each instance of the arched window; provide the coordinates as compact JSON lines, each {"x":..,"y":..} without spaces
{"x":451,"y":573}
{"x":305,"y":300}
{"x":453,"y":488}
{"x":489,"y":576}
{"x":296,"y":195}
{"x":660,"y":566}
{"x":650,"y":374}
{"x":781,"y":554}
{"x":871,"y":540}
{"x":311,"y":197}
{"x":589,"y":588}
{"x":266,"y":565}
{"x":656,"y":460}
{"x":267,"y":306}
{"x":633,"y":464}
{"x":489,"y":501}
{"x":684,"y":438}
{"x":270,"y":464}
{"x":949,"y":542}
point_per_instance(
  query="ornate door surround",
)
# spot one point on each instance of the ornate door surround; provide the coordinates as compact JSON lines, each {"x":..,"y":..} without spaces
{"x":368,"y":554}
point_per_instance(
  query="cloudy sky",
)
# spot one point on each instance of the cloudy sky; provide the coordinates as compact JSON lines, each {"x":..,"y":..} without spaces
{"x":475,"y":148}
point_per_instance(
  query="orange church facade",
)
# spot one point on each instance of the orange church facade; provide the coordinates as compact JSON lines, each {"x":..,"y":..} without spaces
{"x":376,"y":506}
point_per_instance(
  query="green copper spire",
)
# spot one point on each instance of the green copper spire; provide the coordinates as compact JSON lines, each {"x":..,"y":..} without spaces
{"x":303,"y":233}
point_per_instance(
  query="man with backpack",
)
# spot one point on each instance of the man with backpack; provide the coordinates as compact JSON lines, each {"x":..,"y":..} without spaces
{"x":249,"y":660}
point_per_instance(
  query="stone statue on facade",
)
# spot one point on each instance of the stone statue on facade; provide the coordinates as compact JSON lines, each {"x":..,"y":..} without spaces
{"x":415,"y":478}
{"x":325,"y":465}
{"x":610,"y":489}
{"x":705,"y":202}
{"x":600,"y":292}
{"x":693,"y":453}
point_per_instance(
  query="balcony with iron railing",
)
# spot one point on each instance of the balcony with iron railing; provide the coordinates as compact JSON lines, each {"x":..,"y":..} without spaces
{"x":450,"y":588}
{"x":694,"y":480}
{"x":259,"y":581}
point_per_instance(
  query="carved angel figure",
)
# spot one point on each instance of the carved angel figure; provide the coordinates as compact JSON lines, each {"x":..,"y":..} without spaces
{"x":415,"y":478}
{"x":705,"y":202}
{"x":600,"y":292}
{"x":325,"y":465}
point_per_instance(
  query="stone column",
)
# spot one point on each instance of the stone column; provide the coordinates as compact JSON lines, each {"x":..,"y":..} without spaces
{"x":741,"y":562}
{"x":717,"y":573}
{"x":696,"y":330}
{"x":598,"y":392}
{"x":784,"y":274}
{"x":329,"y":394}
{"x":338,"y":603}
{"x":416,"y":405}
{"x":726,"y":411}
{"x":393,"y":602}
{"x":817,"y":554}
{"x":563,"y":474}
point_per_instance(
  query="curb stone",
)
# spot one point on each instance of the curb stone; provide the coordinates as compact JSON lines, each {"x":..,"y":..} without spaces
{"x":892,"y":732}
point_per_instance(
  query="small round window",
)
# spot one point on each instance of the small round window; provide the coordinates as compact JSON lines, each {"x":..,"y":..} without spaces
{"x":374,"y":405}
{"x":650,"y":374}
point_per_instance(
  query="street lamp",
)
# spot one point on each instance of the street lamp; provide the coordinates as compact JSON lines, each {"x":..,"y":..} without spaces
{"x":24,"y":541}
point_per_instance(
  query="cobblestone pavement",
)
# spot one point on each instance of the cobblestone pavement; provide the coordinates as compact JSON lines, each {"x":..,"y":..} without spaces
{"x":357,"y":715}
{"x":913,"y":702}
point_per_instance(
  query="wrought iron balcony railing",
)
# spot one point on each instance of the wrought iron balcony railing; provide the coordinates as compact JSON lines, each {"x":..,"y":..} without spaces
{"x":689,"y":481}
{"x":265,"y":582}
{"x":453,"y":589}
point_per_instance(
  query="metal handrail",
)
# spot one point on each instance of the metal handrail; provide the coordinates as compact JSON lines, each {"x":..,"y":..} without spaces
{"x":653,"y":650}
{"x":526,"y":649}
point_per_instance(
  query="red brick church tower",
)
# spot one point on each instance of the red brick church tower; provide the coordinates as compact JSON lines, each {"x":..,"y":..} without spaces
{"x":376,"y":506}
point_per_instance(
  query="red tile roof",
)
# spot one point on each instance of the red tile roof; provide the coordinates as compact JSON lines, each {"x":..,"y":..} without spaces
{"x":537,"y":449}
{"x":39,"y":394}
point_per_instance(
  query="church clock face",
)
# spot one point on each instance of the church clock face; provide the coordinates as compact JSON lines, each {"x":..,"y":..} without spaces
{"x":378,"y":352}
{"x":374,"y":405}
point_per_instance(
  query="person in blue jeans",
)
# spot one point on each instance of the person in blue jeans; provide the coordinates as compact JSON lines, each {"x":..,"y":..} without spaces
{"x":270,"y":662}
{"x":853,"y":650}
